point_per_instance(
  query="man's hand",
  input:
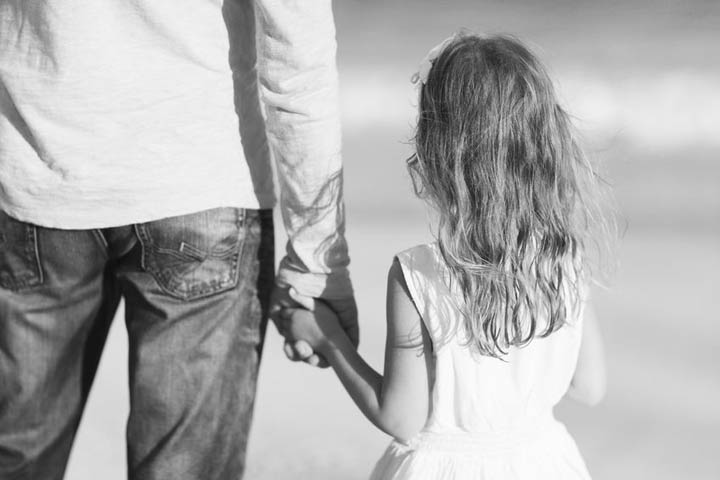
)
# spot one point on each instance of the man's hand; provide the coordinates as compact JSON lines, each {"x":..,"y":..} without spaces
{"x":345,"y":308}
{"x":294,"y":350}
{"x":320,"y":328}
{"x":346,"y":311}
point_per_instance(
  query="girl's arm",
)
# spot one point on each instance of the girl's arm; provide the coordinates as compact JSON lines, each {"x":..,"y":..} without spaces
{"x":397,"y":403}
{"x":588,"y":382}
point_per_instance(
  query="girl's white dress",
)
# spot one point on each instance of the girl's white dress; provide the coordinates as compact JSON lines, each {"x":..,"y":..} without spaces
{"x":489,"y":418}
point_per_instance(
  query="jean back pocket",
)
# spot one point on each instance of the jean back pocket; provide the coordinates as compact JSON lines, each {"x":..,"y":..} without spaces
{"x":19,"y":256}
{"x":195,"y":255}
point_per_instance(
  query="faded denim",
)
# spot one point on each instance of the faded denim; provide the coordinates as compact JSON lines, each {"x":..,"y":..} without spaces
{"x":196,"y":290}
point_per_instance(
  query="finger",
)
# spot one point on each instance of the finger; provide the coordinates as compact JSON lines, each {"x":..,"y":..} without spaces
{"x":354,"y":335}
{"x":280,"y":328}
{"x":306,"y":302}
{"x":346,"y":309}
{"x":317,"y":361}
{"x":322,"y":363}
{"x":281,"y":306}
{"x":313,"y":360}
{"x":303,"y":350}
{"x":289,"y":351}
{"x":280,"y":324}
{"x":352,"y":330}
{"x":280,"y":299}
{"x":281,"y":321}
{"x":286,"y":313}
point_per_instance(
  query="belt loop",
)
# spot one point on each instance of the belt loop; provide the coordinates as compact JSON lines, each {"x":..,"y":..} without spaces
{"x":100,"y":237}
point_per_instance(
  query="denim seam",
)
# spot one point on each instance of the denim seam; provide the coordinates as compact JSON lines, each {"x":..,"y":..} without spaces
{"x":102,"y":241}
{"x":141,"y":237}
{"x":251,"y":334}
{"x":35,"y":252}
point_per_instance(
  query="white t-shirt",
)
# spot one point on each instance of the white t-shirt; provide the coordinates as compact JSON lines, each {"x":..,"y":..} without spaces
{"x":115,"y":112}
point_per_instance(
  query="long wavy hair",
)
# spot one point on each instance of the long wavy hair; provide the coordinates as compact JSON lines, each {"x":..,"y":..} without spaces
{"x":520,"y":206}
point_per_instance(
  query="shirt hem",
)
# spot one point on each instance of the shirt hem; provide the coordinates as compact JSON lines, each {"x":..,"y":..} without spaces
{"x":87,"y":217}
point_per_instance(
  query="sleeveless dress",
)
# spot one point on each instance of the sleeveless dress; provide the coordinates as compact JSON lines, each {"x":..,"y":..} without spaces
{"x":489,"y":418}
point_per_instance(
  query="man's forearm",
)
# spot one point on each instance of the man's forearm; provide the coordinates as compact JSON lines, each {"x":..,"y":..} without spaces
{"x":298,"y":78}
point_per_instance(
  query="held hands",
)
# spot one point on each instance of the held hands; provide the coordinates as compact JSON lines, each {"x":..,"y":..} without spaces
{"x":286,"y":304}
{"x":318,"y":328}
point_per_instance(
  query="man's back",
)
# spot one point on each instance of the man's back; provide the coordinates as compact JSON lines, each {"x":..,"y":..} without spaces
{"x":117,"y":103}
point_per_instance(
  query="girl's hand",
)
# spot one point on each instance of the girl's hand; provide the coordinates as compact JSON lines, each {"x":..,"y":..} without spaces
{"x":320,"y":328}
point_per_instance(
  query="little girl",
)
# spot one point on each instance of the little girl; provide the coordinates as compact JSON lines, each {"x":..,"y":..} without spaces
{"x":489,"y":327}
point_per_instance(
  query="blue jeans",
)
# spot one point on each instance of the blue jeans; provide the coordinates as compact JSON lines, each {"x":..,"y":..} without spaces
{"x":196,"y":290}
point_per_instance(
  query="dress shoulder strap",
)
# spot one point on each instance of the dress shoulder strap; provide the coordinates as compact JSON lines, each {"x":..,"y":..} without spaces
{"x":427,"y":279}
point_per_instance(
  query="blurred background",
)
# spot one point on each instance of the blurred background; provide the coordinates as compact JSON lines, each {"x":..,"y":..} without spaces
{"x":642,"y":78}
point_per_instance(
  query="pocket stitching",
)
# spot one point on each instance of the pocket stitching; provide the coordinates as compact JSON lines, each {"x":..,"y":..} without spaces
{"x":31,"y":256}
{"x":192,"y":293}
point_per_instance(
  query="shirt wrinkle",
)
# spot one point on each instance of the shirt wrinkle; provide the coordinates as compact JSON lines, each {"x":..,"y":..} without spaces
{"x":153,"y":108}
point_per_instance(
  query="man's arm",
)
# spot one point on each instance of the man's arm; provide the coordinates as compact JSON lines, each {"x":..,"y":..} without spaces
{"x":298,"y":82}
{"x":299,"y":85}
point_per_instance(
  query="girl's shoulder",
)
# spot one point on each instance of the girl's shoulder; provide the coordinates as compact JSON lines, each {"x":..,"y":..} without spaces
{"x":425,"y":256}
{"x":417,"y":260}
{"x":425,"y":272}
{"x":422,"y":264}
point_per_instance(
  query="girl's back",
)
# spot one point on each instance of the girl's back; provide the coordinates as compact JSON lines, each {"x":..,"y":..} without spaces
{"x":489,"y":417}
{"x":498,"y":300}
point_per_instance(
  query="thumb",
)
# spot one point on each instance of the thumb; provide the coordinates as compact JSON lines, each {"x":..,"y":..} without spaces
{"x":306,"y":302}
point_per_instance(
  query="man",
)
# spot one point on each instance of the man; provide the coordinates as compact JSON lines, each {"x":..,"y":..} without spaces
{"x":122,"y":175}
